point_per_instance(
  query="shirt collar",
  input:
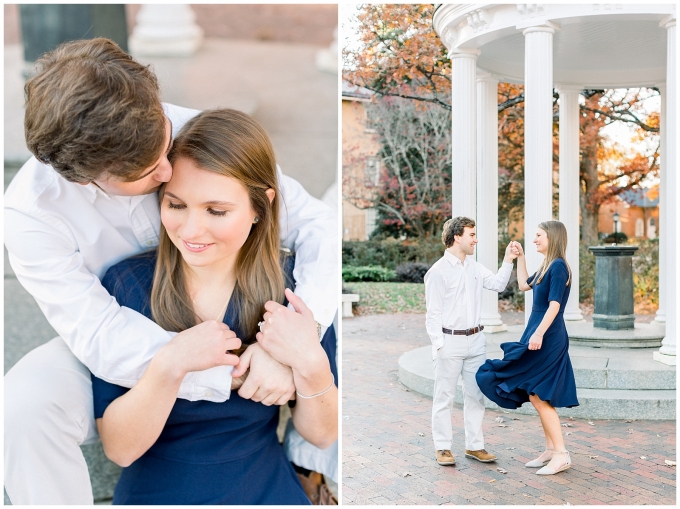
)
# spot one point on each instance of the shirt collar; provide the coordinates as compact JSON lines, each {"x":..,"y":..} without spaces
{"x":453,"y":260}
{"x":91,"y":192}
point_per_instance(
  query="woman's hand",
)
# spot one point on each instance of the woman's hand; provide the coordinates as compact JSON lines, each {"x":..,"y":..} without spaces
{"x":201,"y":347}
{"x":291,"y":336}
{"x":535,"y":341}
{"x":517,"y":247}
{"x":268,"y":381}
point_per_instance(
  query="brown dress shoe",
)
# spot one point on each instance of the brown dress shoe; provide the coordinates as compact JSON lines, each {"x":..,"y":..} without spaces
{"x":480,"y":455}
{"x":444,"y":457}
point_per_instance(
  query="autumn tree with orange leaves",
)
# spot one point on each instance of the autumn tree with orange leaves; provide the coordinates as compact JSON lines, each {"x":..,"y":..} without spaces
{"x":399,"y":55}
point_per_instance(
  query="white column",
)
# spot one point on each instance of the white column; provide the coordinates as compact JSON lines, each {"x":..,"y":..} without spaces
{"x":487,"y":193}
{"x":165,"y":30}
{"x":663,"y":209}
{"x":463,"y":132}
{"x":666,"y":353}
{"x":538,"y":87}
{"x":569,"y":189}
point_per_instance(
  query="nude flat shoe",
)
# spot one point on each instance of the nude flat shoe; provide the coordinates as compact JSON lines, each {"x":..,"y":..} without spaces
{"x":550,"y":471}
{"x":538,"y":463}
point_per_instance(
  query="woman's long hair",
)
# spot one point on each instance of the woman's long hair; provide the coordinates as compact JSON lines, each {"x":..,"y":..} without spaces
{"x":557,"y":248}
{"x":232,"y":144}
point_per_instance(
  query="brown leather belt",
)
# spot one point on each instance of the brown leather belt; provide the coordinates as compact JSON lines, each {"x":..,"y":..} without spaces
{"x":465,"y":332}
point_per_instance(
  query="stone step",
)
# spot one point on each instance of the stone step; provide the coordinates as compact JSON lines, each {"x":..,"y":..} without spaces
{"x":609,"y":402}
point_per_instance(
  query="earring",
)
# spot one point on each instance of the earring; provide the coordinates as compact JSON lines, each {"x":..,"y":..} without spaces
{"x":255,"y":219}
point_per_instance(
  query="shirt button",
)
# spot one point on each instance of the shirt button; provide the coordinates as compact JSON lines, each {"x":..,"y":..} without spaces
{"x":208,"y":394}
{"x":149,"y":242}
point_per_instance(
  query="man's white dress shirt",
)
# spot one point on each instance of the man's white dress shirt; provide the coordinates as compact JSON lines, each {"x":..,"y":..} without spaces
{"x":62,"y":237}
{"x":453,"y":293}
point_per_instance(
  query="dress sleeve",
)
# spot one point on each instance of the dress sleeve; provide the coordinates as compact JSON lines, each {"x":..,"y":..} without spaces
{"x":104,"y":394}
{"x":558,"y":281}
{"x":531,"y":278}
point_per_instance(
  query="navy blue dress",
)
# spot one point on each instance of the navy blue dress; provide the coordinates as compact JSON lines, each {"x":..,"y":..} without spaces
{"x":546,"y":372}
{"x":207,"y":453}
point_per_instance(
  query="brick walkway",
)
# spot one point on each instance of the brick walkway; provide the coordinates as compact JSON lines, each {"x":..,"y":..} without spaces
{"x":388,"y":455}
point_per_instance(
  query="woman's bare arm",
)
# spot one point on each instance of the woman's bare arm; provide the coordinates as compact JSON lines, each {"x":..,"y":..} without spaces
{"x":536,"y":340}
{"x":522,"y":274}
{"x":291,"y":338}
{"x":132,"y":423}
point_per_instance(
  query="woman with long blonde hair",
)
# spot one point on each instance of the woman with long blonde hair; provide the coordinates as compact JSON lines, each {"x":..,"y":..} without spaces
{"x":218,"y":262}
{"x":538,"y":368}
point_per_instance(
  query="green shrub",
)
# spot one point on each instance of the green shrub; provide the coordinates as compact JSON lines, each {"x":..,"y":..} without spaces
{"x":646,"y":272}
{"x":411,"y":272}
{"x":391,"y":252}
{"x":619,"y":238}
{"x":367,"y":273}
{"x":586,"y":275}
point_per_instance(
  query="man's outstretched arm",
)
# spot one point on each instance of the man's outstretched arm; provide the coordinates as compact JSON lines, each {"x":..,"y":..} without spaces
{"x":114,"y":342}
{"x":497,"y":282}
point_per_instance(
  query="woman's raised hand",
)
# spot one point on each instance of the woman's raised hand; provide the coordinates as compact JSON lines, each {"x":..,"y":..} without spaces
{"x":518,"y":248}
{"x":290,"y":336}
{"x":201,"y":347}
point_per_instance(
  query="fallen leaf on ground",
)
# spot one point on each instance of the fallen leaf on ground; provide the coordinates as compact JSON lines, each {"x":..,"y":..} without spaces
{"x":505,"y":411}
{"x":405,"y":389}
{"x":593,"y":457}
{"x":591,"y":423}
{"x":629,"y":420}
{"x":643,"y":457}
{"x":567,"y":425}
{"x":515,"y":418}
{"x":571,"y":419}
{"x":492,"y":480}
{"x":671,"y":463}
{"x":421,"y":434}
{"x":503,"y":426}
{"x":658,"y":435}
{"x":509,"y":448}
{"x":406,"y":474}
{"x":502,"y":470}
{"x":568,"y":433}
{"x":499,"y":419}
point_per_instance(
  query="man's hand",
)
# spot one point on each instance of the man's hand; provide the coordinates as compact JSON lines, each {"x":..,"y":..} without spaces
{"x":291,"y":336}
{"x":201,"y":347}
{"x":511,"y":252}
{"x":517,"y":247}
{"x":268,"y":381}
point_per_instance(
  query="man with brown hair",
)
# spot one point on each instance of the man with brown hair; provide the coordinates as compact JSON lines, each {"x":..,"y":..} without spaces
{"x":453,"y":292}
{"x":100,"y":136}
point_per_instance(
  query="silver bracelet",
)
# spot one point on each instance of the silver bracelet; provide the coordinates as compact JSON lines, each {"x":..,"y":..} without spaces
{"x":318,"y":393}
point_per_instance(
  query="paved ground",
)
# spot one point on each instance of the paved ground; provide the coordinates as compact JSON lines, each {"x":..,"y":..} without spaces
{"x":388,"y":455}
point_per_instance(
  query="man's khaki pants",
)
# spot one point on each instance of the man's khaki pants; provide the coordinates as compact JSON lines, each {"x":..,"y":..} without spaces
{"x":48,"y":415}
{"x":459,"y":355}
